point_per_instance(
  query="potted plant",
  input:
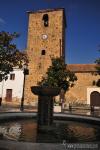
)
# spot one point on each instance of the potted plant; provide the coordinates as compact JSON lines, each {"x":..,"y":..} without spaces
{"x":57,"y":80}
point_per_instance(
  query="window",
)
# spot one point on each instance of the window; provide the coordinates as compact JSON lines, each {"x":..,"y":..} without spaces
{"x":12,"y":76}
{"x":43,"y":52}
{"x":45,"y":19}
{"x":94,"y":83}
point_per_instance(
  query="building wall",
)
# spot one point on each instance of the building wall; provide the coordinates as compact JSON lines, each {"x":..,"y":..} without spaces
{"x":16,"y":85}
{"x":78,"y":93}
{"x":53,"y":46}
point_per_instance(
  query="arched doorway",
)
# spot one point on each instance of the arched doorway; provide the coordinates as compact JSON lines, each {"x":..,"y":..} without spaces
{"x":95,"y":98}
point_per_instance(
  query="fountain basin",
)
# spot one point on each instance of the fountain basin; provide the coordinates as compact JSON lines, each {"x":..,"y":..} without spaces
{"x":70,"y":131}
{"x":45,"y":91}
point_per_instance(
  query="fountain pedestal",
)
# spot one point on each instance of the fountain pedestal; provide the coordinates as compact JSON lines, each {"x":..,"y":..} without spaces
{"x":45,"y":103}
{"x":45,"y":110}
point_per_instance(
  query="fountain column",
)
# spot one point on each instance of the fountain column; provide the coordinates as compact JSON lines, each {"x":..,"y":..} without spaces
{"x":45,"y":110}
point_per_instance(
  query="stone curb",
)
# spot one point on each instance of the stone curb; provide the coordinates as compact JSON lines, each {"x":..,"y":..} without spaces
{"x":58,"y":116}
{"x":11,"y":145}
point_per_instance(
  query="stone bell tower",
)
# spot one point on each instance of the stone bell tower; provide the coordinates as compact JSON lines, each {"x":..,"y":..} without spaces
{"x":46,"y":38}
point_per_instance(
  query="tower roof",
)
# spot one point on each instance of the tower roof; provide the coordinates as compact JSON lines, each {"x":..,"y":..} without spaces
{"x":46,"y":10}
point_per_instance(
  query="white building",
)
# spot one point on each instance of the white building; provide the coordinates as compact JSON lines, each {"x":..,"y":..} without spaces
{"x":11,"y":90}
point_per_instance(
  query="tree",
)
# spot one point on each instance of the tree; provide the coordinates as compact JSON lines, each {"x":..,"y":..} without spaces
{"x":98,"y":65}
{"x":10,"y":56}
{"x":98,"y":83}
{"x":98,"y":70}
{"x":58,"y":75}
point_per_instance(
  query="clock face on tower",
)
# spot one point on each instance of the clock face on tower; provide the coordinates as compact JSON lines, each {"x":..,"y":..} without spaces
{"x":44,"y":36}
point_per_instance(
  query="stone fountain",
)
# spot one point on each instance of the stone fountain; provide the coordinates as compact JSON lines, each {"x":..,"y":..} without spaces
{"x":45,"y":103}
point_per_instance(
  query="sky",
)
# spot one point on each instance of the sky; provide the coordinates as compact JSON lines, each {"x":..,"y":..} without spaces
{"x":83,"y":25}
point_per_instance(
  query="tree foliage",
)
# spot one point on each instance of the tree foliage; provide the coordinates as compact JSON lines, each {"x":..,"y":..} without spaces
{"x":10,"y":56}
{"x":98,"y":83}
{"x":98,"y":70}
{"x":58,"y":75}
{"x":97,"y":61}
{"x":98,"y":65}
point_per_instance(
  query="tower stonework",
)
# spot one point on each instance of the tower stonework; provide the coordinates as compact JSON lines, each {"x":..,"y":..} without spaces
{"x":46,"y":38}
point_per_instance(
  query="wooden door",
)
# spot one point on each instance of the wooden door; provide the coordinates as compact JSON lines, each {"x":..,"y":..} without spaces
{"x":9,"y":95}
{"x":95,"y":98}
